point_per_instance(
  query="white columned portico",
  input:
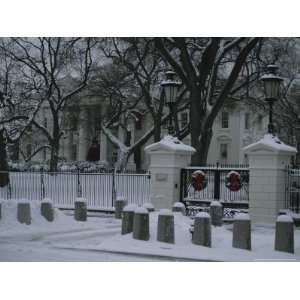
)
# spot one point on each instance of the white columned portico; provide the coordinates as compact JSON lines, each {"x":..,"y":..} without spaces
{"x":83,"y":134}
{"x":268,"y":159}
{"x":69,"y":145}
{"x":167,"y":158}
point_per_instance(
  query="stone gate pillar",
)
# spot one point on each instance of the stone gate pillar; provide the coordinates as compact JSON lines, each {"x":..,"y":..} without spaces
{"x":167,"y":157}
{"x":268,"y":159}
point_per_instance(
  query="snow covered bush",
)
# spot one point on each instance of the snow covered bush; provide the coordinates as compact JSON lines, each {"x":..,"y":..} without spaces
{"x":83,"y":166}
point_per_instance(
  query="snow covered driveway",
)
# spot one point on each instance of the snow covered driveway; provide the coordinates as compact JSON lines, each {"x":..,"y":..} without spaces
{"x":100,"y":239}
{"x":59,"y":240}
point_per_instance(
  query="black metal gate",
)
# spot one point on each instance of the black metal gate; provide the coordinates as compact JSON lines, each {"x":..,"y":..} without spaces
{"x":216,"y":187}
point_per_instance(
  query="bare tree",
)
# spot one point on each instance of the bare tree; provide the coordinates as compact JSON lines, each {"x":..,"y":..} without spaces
{"x":140,"y":66}
{"x":211,"y":69}
{"x":58,"y":69}
{"x":17,"y":109}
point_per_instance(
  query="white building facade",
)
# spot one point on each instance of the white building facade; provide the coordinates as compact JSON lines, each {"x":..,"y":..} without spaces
{"x":235,"y":127}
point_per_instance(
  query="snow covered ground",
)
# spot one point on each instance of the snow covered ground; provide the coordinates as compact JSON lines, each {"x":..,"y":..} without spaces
{"x":99,"y":239}
{"x":41,"y":240}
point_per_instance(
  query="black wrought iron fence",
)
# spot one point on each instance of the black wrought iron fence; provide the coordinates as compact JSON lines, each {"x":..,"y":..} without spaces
{"x":292,"y":191}
{"x":100,"y":189}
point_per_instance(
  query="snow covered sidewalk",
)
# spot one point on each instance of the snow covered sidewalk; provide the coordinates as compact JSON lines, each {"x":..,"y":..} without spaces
{"x":100,"y":239}
{"x":262,"y":244}
{"x":41,"y":240}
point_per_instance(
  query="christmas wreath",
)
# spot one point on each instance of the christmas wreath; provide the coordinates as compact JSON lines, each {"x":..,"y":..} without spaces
{"x":233,"y":181}
{"x":199,"y":180}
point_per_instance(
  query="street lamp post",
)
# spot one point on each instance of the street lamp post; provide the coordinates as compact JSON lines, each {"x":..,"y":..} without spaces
{"x":170,"y":87}
{"x":272,"y":84}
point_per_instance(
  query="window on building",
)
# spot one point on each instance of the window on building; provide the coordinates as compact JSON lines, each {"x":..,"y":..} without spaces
{"x":223,"y":151}
{"x":260,"y":122}
{"x":247,"y":120}
{"x":184,"y":119}
{"x":225,"y":119}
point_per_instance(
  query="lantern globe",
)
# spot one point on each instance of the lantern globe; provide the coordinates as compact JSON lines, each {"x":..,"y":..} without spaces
{"x":170,"y":87}
{"x":272,"y":83}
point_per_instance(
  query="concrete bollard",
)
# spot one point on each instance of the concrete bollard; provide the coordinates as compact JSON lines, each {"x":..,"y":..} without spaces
{"x":179,"y":207}
{"x":127,"y":219}
{"x":241,"y":231}
{"x":202,"y":229}
{"x":24,"y":213}
{"x":141,"y":224}
{"x":284,"y":236}
{"x":149,"y":206}
{"x":120,"y":203}
{"x":80,"y":213}
{"x":165,"y":227}
{"x":216,"y":213}
{"x":47,"y":210}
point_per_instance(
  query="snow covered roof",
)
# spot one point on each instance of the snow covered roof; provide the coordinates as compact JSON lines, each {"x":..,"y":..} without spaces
{"x":270,"y":143}
{"x":170,"y":143}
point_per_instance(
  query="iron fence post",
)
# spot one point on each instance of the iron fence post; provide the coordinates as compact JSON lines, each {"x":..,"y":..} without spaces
{"x":9,"y":189}
{"x":42,"y":184}
{"x":287,"y":188}
{"x":113,"y":192}
{"x":182,"y":191}
{"x":217,"y":183}
{"x":79,"y":189}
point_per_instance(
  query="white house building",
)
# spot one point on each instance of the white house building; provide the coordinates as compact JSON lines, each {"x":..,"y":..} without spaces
{"x":235,"y":127}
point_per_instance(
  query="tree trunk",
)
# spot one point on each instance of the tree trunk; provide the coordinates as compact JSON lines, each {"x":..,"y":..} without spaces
{"x":137,"y":158}
{"x":123,"y":157}
{"x":55,"y":145}
{"x":197,"y":116}
{"x":54,"y":157}
{"x":4,"y":175}
{"x":200,"y":157}
{"x":157,"y":129}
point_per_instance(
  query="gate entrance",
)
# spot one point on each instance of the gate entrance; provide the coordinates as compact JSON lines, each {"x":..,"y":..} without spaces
{"x":228,"y":184}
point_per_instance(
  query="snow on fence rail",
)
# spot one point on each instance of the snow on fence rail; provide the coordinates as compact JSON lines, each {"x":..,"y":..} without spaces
{"x":64,"y":187}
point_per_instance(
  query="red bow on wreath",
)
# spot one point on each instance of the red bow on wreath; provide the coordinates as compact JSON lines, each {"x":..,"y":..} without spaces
{"x":199,"y":181}
{"x":233,"y":181}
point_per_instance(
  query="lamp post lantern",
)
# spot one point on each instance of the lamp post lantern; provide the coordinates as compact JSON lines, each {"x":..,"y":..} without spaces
{"x":272,"y":84}
{"x":170,"y":87}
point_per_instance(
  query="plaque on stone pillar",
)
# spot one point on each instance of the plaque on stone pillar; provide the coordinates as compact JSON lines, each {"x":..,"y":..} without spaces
{"x":161,"y":177}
